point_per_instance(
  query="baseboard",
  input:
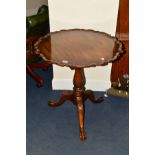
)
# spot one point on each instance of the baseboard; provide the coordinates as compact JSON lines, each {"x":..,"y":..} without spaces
{"x":67,"y":84}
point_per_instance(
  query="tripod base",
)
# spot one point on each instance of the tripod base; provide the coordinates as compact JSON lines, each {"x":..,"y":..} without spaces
{"x":78,"y":97}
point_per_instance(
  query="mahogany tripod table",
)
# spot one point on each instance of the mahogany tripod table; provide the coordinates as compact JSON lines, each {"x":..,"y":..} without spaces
{"x":78,"y":49}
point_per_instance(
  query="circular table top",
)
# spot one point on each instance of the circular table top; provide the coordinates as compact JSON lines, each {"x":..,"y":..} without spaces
{"x":79,"y":48}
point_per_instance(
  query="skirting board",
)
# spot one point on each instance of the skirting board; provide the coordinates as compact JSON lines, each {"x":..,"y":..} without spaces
{"x":67,"y":84}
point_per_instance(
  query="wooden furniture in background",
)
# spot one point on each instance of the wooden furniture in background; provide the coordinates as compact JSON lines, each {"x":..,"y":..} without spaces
{"x":32,"y":61}
{"x":36,"y":26}
{"x":121,"y":67}
{"x":78,"y":49}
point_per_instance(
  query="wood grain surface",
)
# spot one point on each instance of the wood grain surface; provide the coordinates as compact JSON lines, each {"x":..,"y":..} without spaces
{"x":77,"y":48}
{"x":121,"y":67}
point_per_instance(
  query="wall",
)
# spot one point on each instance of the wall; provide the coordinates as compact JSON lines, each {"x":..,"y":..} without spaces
{"x":33,"y":5}
{"x":99,"y":15}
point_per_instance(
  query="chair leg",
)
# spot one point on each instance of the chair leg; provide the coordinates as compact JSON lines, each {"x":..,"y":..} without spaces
{"x":34,"y":76}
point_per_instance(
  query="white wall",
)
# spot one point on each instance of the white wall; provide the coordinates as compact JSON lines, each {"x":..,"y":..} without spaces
{"x":99,"y":15}
{"x":32,"y":6}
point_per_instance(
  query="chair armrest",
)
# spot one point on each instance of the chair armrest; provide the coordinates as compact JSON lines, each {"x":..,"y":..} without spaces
{"x":38,"y":19}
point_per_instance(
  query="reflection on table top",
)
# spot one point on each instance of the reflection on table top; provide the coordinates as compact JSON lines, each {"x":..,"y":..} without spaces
{"x":79,"y":48}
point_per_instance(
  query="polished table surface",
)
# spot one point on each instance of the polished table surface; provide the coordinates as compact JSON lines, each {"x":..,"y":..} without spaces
{"x":78,"y":49}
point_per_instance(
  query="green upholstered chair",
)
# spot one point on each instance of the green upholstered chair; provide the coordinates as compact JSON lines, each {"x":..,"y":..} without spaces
{"x":36,"y":26}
